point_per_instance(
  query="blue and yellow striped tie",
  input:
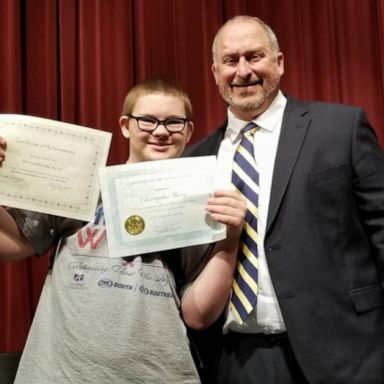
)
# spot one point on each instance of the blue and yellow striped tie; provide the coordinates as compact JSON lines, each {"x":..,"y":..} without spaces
{"x":245,"y":178}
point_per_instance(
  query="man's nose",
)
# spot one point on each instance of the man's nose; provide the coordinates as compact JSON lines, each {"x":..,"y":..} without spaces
{"x":243,"y":68}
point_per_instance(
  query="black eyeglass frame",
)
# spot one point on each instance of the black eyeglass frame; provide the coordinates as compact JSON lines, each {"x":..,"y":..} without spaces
{"x":159,"y":122}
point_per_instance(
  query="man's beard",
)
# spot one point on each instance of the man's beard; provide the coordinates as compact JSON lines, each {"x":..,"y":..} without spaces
{"x":244,"y":104}
{"x":249,"y":102}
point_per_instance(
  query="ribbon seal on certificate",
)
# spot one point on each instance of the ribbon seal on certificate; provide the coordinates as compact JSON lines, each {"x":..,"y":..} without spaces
{"x":134,"y":225}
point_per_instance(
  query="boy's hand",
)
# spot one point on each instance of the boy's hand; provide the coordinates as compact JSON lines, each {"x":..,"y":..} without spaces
{"x":228,"y":207}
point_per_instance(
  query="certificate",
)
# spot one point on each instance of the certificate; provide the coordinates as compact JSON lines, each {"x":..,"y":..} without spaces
{"x":51,"y":166}
{"x":159,"y":205}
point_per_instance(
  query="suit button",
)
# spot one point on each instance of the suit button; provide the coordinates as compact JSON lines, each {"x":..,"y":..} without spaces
{"x":272,"y":248}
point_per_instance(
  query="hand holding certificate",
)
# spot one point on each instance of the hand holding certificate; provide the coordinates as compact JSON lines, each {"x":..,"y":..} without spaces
{"x":159,"y":205}
{"x":51,"y":166}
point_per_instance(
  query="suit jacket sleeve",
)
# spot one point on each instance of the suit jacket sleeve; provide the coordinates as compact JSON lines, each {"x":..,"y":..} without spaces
{"x":368,"y":182}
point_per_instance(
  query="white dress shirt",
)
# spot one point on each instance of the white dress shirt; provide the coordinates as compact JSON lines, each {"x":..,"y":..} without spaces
{"x":266,"y":318}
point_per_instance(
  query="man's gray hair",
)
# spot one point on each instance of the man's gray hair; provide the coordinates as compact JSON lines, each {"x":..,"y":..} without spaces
{"x":244,"y":18}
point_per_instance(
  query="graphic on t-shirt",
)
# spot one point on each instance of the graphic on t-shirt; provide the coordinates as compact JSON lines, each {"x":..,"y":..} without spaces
{"x":133,"y":276}
{"x":78,"y":277}
{"x":91,"y":236}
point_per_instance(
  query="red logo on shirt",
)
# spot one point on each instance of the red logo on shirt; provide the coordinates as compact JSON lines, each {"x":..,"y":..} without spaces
{"x":93,"y":236}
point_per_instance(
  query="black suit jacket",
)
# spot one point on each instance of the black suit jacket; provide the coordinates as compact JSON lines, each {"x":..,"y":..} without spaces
{"x":325,"y":240}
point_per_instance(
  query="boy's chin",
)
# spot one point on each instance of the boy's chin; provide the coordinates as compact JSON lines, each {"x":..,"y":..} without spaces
{"x":162,"y":155}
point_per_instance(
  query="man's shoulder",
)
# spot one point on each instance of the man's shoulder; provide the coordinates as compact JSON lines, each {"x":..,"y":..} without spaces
{"x":319,"y":106}
{"x":322,"y":113}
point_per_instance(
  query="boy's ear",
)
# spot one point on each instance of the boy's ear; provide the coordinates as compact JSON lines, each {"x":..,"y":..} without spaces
{"x":191,"y":127}
{"x":124,"y":126}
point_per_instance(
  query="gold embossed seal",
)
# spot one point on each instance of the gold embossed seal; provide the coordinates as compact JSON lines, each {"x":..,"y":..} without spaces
{"x":134,"y":225}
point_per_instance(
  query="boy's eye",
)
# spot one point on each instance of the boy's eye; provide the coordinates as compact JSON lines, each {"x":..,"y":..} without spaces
{"x":174,"y":121}
{"x":148,"y":121}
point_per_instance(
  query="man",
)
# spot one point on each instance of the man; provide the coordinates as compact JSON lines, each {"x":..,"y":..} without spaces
{"x":85,"y":330}
{"x":318,"y":315}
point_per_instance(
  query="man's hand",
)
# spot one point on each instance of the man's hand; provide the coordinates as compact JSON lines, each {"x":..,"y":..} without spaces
{"x":228,"y":207}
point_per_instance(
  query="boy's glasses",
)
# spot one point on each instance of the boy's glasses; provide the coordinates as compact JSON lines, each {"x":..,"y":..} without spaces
{"x":150,"y":123}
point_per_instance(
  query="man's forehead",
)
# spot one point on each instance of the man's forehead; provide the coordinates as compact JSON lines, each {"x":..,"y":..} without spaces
{"x":241,"y":34}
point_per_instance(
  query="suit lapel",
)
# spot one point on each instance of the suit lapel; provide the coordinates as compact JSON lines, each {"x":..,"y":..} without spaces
{"x":209,"y":145}
{"x":215,"y":140}
{"x":294,"y":128}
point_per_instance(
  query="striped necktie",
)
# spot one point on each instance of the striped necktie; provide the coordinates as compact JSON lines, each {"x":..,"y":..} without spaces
{"x":245,"y":178}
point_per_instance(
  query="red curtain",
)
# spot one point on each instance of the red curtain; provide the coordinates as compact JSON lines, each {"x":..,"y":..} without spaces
{"x":74,"y":60}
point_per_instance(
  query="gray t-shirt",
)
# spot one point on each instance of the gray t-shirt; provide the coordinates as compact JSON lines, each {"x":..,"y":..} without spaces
{"x":101,"y":320}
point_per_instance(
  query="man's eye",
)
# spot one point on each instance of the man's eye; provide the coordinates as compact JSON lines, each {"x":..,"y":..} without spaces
{"x":230,"y":61}
{"x":255,"y":57}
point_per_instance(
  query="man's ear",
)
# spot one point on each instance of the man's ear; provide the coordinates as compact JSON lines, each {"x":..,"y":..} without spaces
{"x":280,"y":62}
{"x":213,"y":69}
{"x":124,"y":126}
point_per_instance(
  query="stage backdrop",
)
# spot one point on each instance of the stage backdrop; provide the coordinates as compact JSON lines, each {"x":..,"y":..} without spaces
{"x":74,"y":60}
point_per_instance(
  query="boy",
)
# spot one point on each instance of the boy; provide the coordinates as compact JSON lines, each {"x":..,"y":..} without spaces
{"x":94,"y":322}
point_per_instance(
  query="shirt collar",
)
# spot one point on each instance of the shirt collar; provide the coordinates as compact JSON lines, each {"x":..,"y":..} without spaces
{"x":266,"y":121}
